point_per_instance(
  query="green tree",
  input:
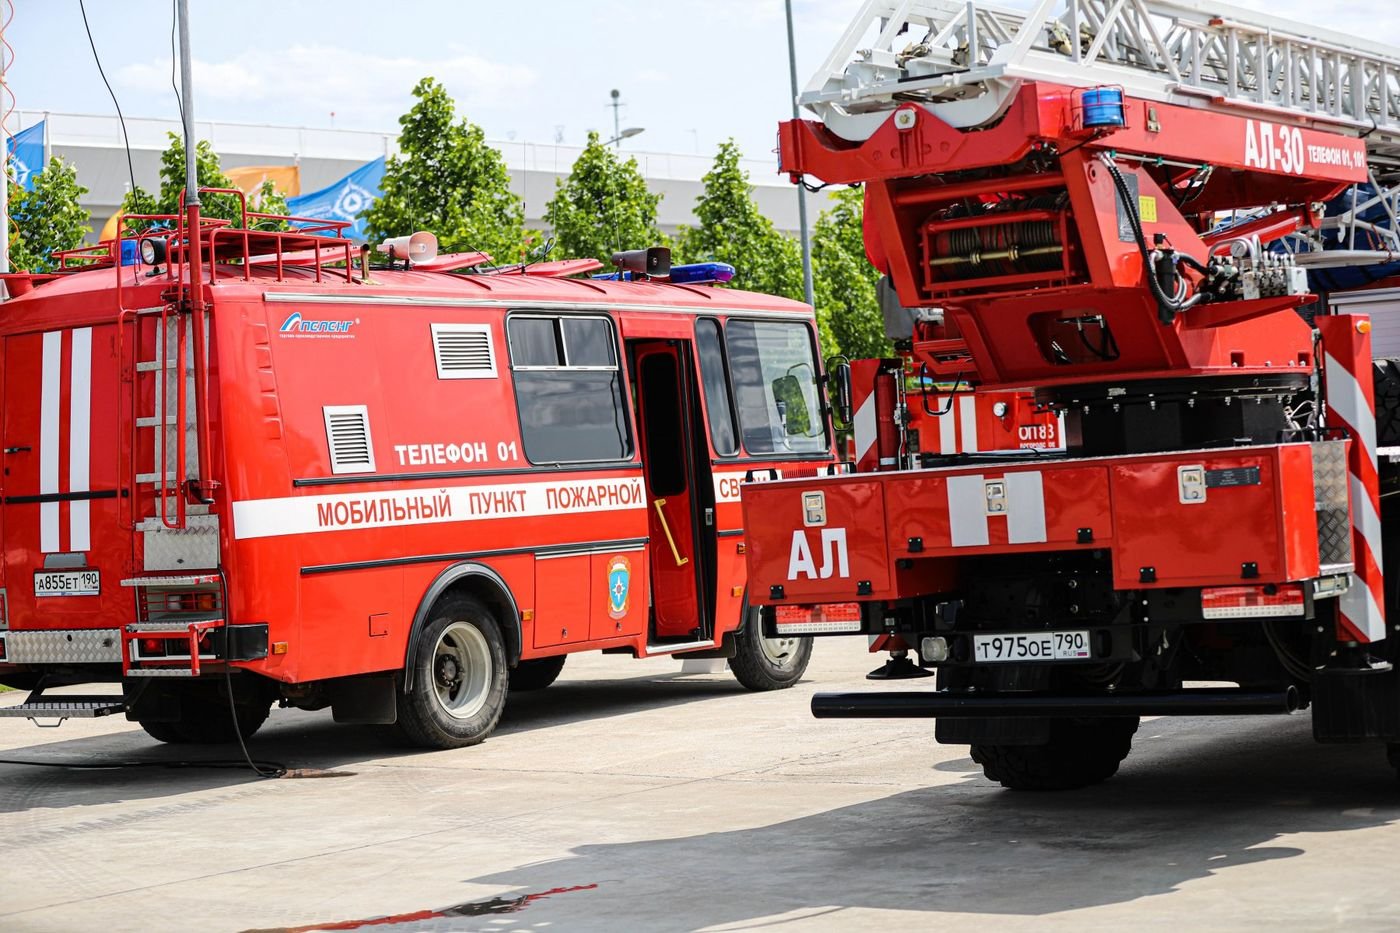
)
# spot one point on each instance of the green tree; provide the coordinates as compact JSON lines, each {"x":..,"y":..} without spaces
{"x":172,"y":183}
{"x":46,"y":218}
{"x":603,"y":206}
{"x":843,"y":281}
{"x":446,"y":179}
{"x":733,"y":230}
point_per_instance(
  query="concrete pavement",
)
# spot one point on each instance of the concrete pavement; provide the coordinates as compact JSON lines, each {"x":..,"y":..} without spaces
{"x":628,"y":797}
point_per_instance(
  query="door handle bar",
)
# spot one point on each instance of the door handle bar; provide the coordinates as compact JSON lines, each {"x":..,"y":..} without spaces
{"x":675,"y":551}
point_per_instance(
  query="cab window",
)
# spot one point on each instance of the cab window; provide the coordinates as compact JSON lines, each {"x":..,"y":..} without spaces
{"x":773,"y":367}
{"x":568,"y":387}
{"x":710,"y":349}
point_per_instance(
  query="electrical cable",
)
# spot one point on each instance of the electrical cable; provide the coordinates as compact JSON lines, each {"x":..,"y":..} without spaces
{"x":211,"y":763}
{"x":126,"y":140}
{"x":174,"y":57}
{"x":276,"y":770}
{"x":1167,"y":306}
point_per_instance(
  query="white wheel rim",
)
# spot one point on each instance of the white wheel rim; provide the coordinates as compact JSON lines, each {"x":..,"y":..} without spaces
{"x":461,"y":670}
{"x":780,"y":652}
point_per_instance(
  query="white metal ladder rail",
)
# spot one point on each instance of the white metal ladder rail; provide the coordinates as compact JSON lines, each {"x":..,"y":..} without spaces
{"x":963,"y":60}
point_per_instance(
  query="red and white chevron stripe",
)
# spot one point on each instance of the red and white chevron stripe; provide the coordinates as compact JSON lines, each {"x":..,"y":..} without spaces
{"x":1351,"y":406}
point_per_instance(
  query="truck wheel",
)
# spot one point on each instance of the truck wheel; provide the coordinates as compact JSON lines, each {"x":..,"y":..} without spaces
{"x":205,"y":718}
{"x":536,"y":674}
{"x":1080,"y":752}
{"x":459,"y":677}
{"x":761,"y":663}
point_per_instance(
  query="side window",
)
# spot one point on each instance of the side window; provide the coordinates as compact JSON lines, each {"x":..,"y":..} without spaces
{"x":774,"y":370}
{"x":568,"y":387}
{"x":715,"y":378}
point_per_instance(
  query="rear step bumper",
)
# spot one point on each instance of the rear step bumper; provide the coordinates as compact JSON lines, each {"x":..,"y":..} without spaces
{"x":1206,"y":701}
{"x":247,"y":642}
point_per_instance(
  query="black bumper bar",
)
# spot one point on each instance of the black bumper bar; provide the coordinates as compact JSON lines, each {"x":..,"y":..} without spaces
{"x":1205,"y":701}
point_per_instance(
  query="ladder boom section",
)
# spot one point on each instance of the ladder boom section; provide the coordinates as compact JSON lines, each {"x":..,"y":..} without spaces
{"x":964,"y":61}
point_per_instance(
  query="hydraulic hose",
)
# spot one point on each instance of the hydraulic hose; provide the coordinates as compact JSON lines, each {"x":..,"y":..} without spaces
{"x":1168,"y":306}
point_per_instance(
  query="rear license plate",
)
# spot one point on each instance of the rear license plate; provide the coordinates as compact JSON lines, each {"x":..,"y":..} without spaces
{"x":68,"y":583}
{"x":1033,"y":646}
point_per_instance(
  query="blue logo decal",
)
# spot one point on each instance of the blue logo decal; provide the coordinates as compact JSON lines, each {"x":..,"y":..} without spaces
{"x":296,"y":324}
{"x":619,"y":584}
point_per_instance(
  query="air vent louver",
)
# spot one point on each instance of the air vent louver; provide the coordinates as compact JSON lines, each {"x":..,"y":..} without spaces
{"x":464,"y":351}
{"x":347,"y":436}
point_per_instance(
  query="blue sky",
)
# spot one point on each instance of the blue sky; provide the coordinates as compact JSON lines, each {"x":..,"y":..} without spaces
{"x":692,"y":72}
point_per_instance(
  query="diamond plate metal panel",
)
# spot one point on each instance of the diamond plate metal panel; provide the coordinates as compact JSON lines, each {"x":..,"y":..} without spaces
{"x":1330,"y":499}
{"x":65,"y":646}
{"x":195,"y":547}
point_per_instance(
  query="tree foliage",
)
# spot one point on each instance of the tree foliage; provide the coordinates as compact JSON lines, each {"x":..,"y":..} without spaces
{"x":603,"y":206}
{"x":447,"y":180}
{"x":46,"y":218}
{"x":209,"y":175}
{"x":733,"y":230}
{"x":844,"y":281}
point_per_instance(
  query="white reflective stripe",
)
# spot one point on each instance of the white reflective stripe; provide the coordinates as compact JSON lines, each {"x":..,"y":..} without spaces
{"x":1061,"y":443}
{"x":967,"y":415}
{"x":1025,"y":507}
{"x":967,"y":511}
{"x":1347,"y":399}
{"x":1358,"y":604}
{"x":948,"y":430}
{"x":263,"y":518}
{"x":80,"y":440}
{"x":1364,"y":518}
{"x":865,"y":427}
{"x":50,"y":397}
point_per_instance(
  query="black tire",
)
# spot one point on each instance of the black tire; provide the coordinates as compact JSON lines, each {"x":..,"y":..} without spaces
{"x":1080,"y":752}
{"x":205,"y":718}
{"x":760,"y":664}
{"x":536,"y":674}
{"x":473,"y":659}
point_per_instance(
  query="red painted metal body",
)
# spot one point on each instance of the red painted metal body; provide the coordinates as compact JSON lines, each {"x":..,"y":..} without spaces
{"x":244,"y":508}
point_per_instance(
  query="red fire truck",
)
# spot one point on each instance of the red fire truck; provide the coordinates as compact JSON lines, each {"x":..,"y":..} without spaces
{"x":244,"y":467}
{"x":1116,"y":208}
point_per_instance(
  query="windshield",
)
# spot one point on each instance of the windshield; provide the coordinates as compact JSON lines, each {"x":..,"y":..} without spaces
{"x":774,"y":371}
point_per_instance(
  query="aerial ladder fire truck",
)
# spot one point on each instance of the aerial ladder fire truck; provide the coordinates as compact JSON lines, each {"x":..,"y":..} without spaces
{"x":1127,"y":208}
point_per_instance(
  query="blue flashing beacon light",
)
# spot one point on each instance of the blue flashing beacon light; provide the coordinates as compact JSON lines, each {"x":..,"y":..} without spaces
{"x":701,"y":273}
{"x":1103,"y":107}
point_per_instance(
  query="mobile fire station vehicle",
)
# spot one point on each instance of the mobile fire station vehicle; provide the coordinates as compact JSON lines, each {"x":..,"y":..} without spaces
{"x":243,"y":467}
{"x":1116,"y":206}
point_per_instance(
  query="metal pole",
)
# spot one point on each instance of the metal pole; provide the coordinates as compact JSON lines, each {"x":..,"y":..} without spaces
{"x":187,"y":87}
{"x":5,"y":161}
{"x":801,"y":192}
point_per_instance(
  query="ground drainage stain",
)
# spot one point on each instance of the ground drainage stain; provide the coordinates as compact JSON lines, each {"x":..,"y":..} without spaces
{"x":496,"y":905}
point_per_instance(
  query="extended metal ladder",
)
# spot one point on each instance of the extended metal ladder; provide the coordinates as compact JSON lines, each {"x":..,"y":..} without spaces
{"x":964,"y":59}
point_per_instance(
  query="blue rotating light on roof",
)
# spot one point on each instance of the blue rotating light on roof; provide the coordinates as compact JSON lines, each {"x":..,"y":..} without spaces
{"x":700,"y":273}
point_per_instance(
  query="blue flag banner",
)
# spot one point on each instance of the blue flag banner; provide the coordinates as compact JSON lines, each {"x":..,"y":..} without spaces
{"x":27,"y":155}
{"x":346,"y":199}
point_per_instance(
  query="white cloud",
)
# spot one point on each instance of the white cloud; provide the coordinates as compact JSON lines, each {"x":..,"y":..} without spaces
{"x":362,"y":88}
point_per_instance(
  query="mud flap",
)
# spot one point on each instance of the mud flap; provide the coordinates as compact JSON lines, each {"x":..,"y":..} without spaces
{"x":364,"y":700}
{"x":1356,"y":706}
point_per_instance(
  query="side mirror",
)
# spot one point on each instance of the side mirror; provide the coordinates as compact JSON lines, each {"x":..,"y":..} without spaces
{"x":792,"y":407}
{"x":839,"y":390}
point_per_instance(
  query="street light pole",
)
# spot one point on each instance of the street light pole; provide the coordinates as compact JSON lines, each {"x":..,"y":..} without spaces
{"x":801,"y":192}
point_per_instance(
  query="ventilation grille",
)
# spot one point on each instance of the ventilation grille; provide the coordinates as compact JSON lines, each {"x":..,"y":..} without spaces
{"x":464,"y":351}
{"x":347,"y":436}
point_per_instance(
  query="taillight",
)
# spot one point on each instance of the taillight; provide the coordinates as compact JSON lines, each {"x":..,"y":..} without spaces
{"x":152,"y":647}
{"x":824,"y":617}
{"x":1253,"y":602}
